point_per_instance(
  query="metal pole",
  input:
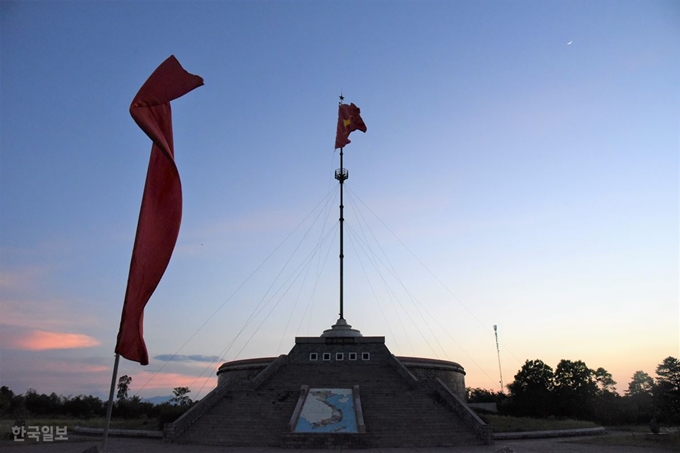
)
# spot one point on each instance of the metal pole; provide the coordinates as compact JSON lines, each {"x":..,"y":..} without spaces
{"x":342,"y":220}
{"x":109,"y":409}
{"x":498,"y":350}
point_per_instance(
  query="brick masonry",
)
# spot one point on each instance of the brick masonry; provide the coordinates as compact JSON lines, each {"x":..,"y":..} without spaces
{"x":400,"y":408}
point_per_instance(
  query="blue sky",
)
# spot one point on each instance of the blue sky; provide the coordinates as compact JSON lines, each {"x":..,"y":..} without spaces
{"x":507,"y":177}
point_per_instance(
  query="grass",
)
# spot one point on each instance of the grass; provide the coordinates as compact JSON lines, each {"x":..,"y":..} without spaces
{"x":508,"y":424}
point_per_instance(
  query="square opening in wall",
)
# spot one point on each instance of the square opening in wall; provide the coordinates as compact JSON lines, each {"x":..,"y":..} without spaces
{"x":352,"y":355}
{"x":365,"y":356}
{"x":313,"y":356}
{"x":326,"y":356}
{"x":339,"y":356}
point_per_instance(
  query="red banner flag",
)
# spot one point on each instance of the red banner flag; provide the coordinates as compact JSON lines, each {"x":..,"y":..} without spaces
{"x":349,"y":119}
{"x":161,"y":211}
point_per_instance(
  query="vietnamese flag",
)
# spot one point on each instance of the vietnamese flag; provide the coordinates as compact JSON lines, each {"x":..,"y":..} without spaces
{"x":349,"y":120}
{"x":161,"y":211}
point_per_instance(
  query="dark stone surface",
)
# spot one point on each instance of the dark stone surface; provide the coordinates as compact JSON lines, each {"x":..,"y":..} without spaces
{"x":398,"y":409}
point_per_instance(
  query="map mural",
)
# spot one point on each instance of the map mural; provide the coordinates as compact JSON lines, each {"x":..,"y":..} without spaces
{"x":327,"y":411}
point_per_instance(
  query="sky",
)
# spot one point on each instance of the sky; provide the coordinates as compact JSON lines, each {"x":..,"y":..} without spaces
{"x":520,"y":169}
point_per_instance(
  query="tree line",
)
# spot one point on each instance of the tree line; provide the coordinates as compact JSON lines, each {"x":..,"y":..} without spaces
{"x":572,"y":390}
{"x":34,"y":405}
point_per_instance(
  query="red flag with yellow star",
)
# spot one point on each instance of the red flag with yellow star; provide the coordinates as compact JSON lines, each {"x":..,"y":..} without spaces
{"x":349,"y":120}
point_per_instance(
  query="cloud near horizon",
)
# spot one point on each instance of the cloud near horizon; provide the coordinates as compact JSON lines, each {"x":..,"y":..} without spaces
{"x":186,"y":358}
{"x":164,"y":381}
{"x":42,"y":340}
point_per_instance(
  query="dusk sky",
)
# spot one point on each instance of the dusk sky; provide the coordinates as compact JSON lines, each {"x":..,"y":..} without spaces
{"x":520,"y":169}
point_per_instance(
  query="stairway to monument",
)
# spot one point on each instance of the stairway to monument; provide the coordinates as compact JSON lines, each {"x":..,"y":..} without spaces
{"x":410,"y":417}
{"x":245,"y":417}
{"x":395,"y":413}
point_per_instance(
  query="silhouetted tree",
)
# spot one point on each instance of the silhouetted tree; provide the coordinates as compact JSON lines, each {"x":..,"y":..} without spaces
{"x":575,"y":389}
{"x":84,"y":406}
{"x":181,"y":397}
{"x":667,"y":390}
{"x":605,"y":381}
{"x":123,"y":387}
{"x":6,"y":396}
{"x":637,"y":407}
{"x":640,"y":384}
{"x":606,"y":405}
{"x":479,"y":395}
{"x":132,"y":407}
{"x":18,"y":407}
{"x":531,"y":391}
{"x":168,"y":413}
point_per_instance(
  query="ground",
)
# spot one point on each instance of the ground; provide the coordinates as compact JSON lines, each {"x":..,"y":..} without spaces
{"x":564,"y":445}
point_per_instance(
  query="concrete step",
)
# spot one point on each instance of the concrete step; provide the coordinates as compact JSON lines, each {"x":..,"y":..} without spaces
{"x":395,"y":413}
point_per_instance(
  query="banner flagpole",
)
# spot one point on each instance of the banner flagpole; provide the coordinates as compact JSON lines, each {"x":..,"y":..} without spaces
{"x":109,"y":408}
{"x":160,"y":214}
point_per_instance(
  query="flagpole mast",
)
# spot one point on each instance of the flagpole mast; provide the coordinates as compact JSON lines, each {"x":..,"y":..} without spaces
{"x":341,"y":175}
{"x":109,"y":408}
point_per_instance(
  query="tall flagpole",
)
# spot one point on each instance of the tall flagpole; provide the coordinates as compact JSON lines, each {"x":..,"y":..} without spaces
{"x":349,"y":119}
{"x":341,"y":175}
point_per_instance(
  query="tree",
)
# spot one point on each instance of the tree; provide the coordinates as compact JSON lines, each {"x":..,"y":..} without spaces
{"x":575,"y":389}
{"x":123,"y":387}
{"x":43,"y":405}
{"x":6,"y":396}
{"x":606,"y":405}
{"x":18,"y":407}
{"x":479,"y":395}
{"x":667,"y":390}
{"x":531,"y":391}
{"x":574,"y":376}
{"x":638,"y":404}
{"x":132,"y":407}
{"x":640,"y":384}
{"x":668,"y":372}
{"x":605,"y":381}
{"x":84,"y":406}
{"x":181,"y":397}
{"x":32,"y":402}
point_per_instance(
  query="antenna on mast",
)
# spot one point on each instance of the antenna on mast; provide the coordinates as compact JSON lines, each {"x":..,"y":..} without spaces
{"x":498,"y":350}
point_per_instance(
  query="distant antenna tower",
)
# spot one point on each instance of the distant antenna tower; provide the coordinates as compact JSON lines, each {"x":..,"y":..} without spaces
{"x":498,"y":350}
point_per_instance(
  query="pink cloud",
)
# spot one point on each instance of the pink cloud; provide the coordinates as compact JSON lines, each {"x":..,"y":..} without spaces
{"x":70,"y":367}
{"x":96,"y":369}
{"x":172,"y":380}
{"x":41,"y":340}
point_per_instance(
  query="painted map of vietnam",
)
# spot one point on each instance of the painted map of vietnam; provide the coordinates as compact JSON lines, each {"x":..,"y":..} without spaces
{"x":322,"y":396}
{"x":328,"y":410}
